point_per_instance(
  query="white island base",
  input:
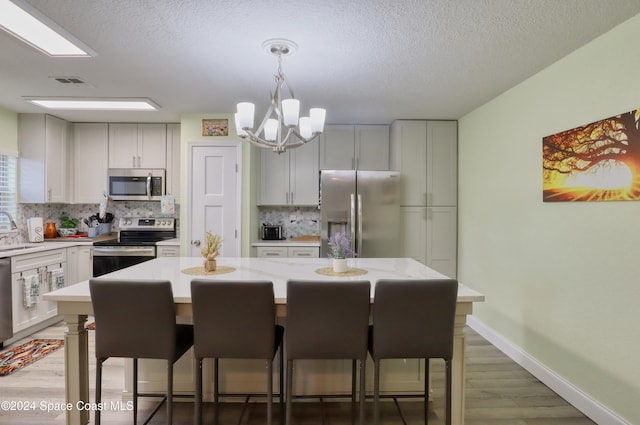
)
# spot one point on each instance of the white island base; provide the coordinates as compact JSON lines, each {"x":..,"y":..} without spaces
{"x":317,"y":377}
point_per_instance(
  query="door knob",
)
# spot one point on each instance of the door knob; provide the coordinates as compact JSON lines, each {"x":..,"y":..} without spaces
{"x":196,"y":242}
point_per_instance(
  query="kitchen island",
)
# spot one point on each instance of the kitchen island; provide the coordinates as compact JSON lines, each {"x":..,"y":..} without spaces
{"x":75,"y":304}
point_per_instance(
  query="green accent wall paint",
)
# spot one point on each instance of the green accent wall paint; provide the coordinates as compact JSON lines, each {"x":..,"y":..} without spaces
{"x":561,"y":279}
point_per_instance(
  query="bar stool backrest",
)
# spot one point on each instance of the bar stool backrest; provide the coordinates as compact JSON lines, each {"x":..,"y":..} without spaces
{"x":414,"y":318}
{"x":233,"y":319}
{"x":327,"y":319}
{"x":134,"y":318}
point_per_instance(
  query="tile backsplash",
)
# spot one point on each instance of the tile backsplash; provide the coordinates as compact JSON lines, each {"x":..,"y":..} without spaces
{"x":52,"y":212}
{"x":295,"y":221}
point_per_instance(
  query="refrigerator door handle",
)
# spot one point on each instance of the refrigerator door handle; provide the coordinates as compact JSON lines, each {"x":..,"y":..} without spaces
{"x":359,"y":224}
{"x":352,"y":216}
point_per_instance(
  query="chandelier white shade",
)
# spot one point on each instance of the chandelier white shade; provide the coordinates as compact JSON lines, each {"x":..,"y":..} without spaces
{"x":282,"y":127}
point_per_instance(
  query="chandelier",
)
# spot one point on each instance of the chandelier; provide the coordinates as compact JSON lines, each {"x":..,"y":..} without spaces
{"x":270,"y":133}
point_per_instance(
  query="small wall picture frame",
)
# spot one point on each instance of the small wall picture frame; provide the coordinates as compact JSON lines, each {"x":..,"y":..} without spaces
{"x":215,"y":127}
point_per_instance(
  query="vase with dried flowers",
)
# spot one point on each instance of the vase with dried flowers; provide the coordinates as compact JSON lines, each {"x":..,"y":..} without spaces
{"x":339,"y":250}
{"x":211,"y":250}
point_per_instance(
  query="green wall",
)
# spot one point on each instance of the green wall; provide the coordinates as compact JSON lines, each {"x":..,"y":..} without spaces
{"x":8,"y":132}
{"x":191,"y":131}
{"x":561,"y":280}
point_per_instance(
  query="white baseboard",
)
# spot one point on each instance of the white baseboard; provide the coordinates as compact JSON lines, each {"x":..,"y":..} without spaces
{"x":565,"y":389}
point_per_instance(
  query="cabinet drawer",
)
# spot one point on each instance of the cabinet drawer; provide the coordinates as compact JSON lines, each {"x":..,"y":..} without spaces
{"x":272,"y":251}
{"x":308,"y":252}
{"x":168,"y":251}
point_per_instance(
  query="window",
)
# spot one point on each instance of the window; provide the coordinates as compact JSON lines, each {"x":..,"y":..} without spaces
{"x":8,"y":189}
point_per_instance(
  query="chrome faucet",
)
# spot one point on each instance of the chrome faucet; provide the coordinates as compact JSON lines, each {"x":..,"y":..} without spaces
{"x":14,"y":226}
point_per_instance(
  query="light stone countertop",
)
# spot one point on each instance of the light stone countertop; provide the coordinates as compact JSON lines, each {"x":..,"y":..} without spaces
{"x":277,"y":270}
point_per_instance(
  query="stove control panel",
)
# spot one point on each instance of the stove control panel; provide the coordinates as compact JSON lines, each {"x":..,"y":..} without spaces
{"x":147,"y":223}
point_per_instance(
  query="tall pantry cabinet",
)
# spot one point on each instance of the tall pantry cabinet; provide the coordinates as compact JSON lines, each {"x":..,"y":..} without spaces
{"x":425,"y":153}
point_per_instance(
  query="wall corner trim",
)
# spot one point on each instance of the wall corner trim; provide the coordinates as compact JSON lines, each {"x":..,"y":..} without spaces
{"x":565,"y":389}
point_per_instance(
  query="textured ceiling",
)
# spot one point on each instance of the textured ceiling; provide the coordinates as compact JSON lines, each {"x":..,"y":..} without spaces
{"x":365,"y":61}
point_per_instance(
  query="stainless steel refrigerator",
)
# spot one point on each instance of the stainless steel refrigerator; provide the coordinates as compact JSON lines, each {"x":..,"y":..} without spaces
{"x":365,"y":205}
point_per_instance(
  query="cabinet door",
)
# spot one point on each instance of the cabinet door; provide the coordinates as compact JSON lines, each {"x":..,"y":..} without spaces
{"x":152,"y":145}
{"x":274,"y":178}
{"x":91,"y":153}
{"x":442,"y":240}
{"x":304,"y":177}
{"x":84,"y":268}
{"x":372,"y":147}
{"x":173,"y":161}
{"x":442,"y":163}
{"x":56,"y":153}
{"x":414,"y":233}
{"x":123,"y":145}
{"x":337,"y":147}
{"x":409,"y":152}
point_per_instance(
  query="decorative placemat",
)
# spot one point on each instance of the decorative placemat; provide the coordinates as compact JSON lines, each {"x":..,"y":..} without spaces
{"x":199,"y":271}
{"x":351,"y":271}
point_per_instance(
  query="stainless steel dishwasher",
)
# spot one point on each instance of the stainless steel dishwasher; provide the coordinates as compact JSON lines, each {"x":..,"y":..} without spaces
{"x":6,"y":319}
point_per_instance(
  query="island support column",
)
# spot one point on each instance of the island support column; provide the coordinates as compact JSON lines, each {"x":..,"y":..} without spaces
{"x":458,"y":362}
{"x":76,"y":352}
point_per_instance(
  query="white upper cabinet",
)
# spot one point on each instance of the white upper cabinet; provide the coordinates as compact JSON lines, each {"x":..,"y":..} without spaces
{"x":173,"y":161}
{"x":425,"y":152}
{"x":289,"y":178}
{"x":44,"y":145}
{"x":91,"y":154}
{"x":354,"y":147}
{"x":137,"y":145}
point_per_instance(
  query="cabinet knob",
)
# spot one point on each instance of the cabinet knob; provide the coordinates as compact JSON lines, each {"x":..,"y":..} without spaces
{"x":196,"y":242}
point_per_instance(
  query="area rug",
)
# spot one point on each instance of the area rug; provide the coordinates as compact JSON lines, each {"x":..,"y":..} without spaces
{"x":27,"y":353}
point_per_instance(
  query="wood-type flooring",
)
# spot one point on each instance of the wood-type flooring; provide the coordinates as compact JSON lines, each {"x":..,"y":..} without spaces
{"x":499,"y":392}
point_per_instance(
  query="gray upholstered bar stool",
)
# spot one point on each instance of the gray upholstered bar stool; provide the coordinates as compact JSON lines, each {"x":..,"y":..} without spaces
{"x":235,"y":319}
{"x":137,"y":319}
{"x":327,"y":320}
{"x":413,"y":319}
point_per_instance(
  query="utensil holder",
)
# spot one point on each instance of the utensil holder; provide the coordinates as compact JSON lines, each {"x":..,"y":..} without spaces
{"x":104,"y":228}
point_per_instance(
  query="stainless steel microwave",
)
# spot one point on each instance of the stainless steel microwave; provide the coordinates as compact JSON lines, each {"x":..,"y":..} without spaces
{"x":136,"y":184}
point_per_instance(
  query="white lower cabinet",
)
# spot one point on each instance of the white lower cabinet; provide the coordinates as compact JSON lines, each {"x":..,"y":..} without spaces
{"x":79,"y":264}
{"x":33,"y":275}
{"x":429,"y":235}
{"x":288,"y":251}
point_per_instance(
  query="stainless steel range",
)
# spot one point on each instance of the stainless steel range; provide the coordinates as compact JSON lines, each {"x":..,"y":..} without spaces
{"x":136,"y":243}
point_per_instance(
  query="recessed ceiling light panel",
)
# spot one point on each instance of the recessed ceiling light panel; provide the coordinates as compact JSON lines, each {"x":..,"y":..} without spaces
{"x":23,"y":21}
{"x":95,"y":104}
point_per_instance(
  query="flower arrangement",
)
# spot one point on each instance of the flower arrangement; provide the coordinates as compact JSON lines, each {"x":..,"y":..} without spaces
{"x":213,"y":242}
{"x":211,"y":250}
{"x":340,"y":246}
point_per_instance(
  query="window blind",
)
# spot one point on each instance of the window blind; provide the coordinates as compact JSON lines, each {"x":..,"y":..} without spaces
{"x":8,"y":189}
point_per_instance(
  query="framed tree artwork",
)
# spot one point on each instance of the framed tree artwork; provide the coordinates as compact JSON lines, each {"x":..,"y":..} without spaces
{"x":596,"y":162}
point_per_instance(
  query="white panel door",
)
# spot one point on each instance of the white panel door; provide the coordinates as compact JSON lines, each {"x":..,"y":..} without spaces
{"x":214,"y":196}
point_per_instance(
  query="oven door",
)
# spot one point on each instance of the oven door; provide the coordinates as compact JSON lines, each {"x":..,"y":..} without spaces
{"x":107,"y":259}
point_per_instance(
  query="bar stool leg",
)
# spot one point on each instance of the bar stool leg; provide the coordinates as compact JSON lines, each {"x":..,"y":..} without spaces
{"x":198,"y":401}
{"x":449,"y":381}
{"x":376,"y":392}
{"x":289,"y":391}
{"x":362,"y":384}
{"x":426,"y":391}
{"x":216,"y":390}
{"x":135,"y":391}
{"x":170,"y":392}
{"x":98,"y":388}
{"x":269,"y":392}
